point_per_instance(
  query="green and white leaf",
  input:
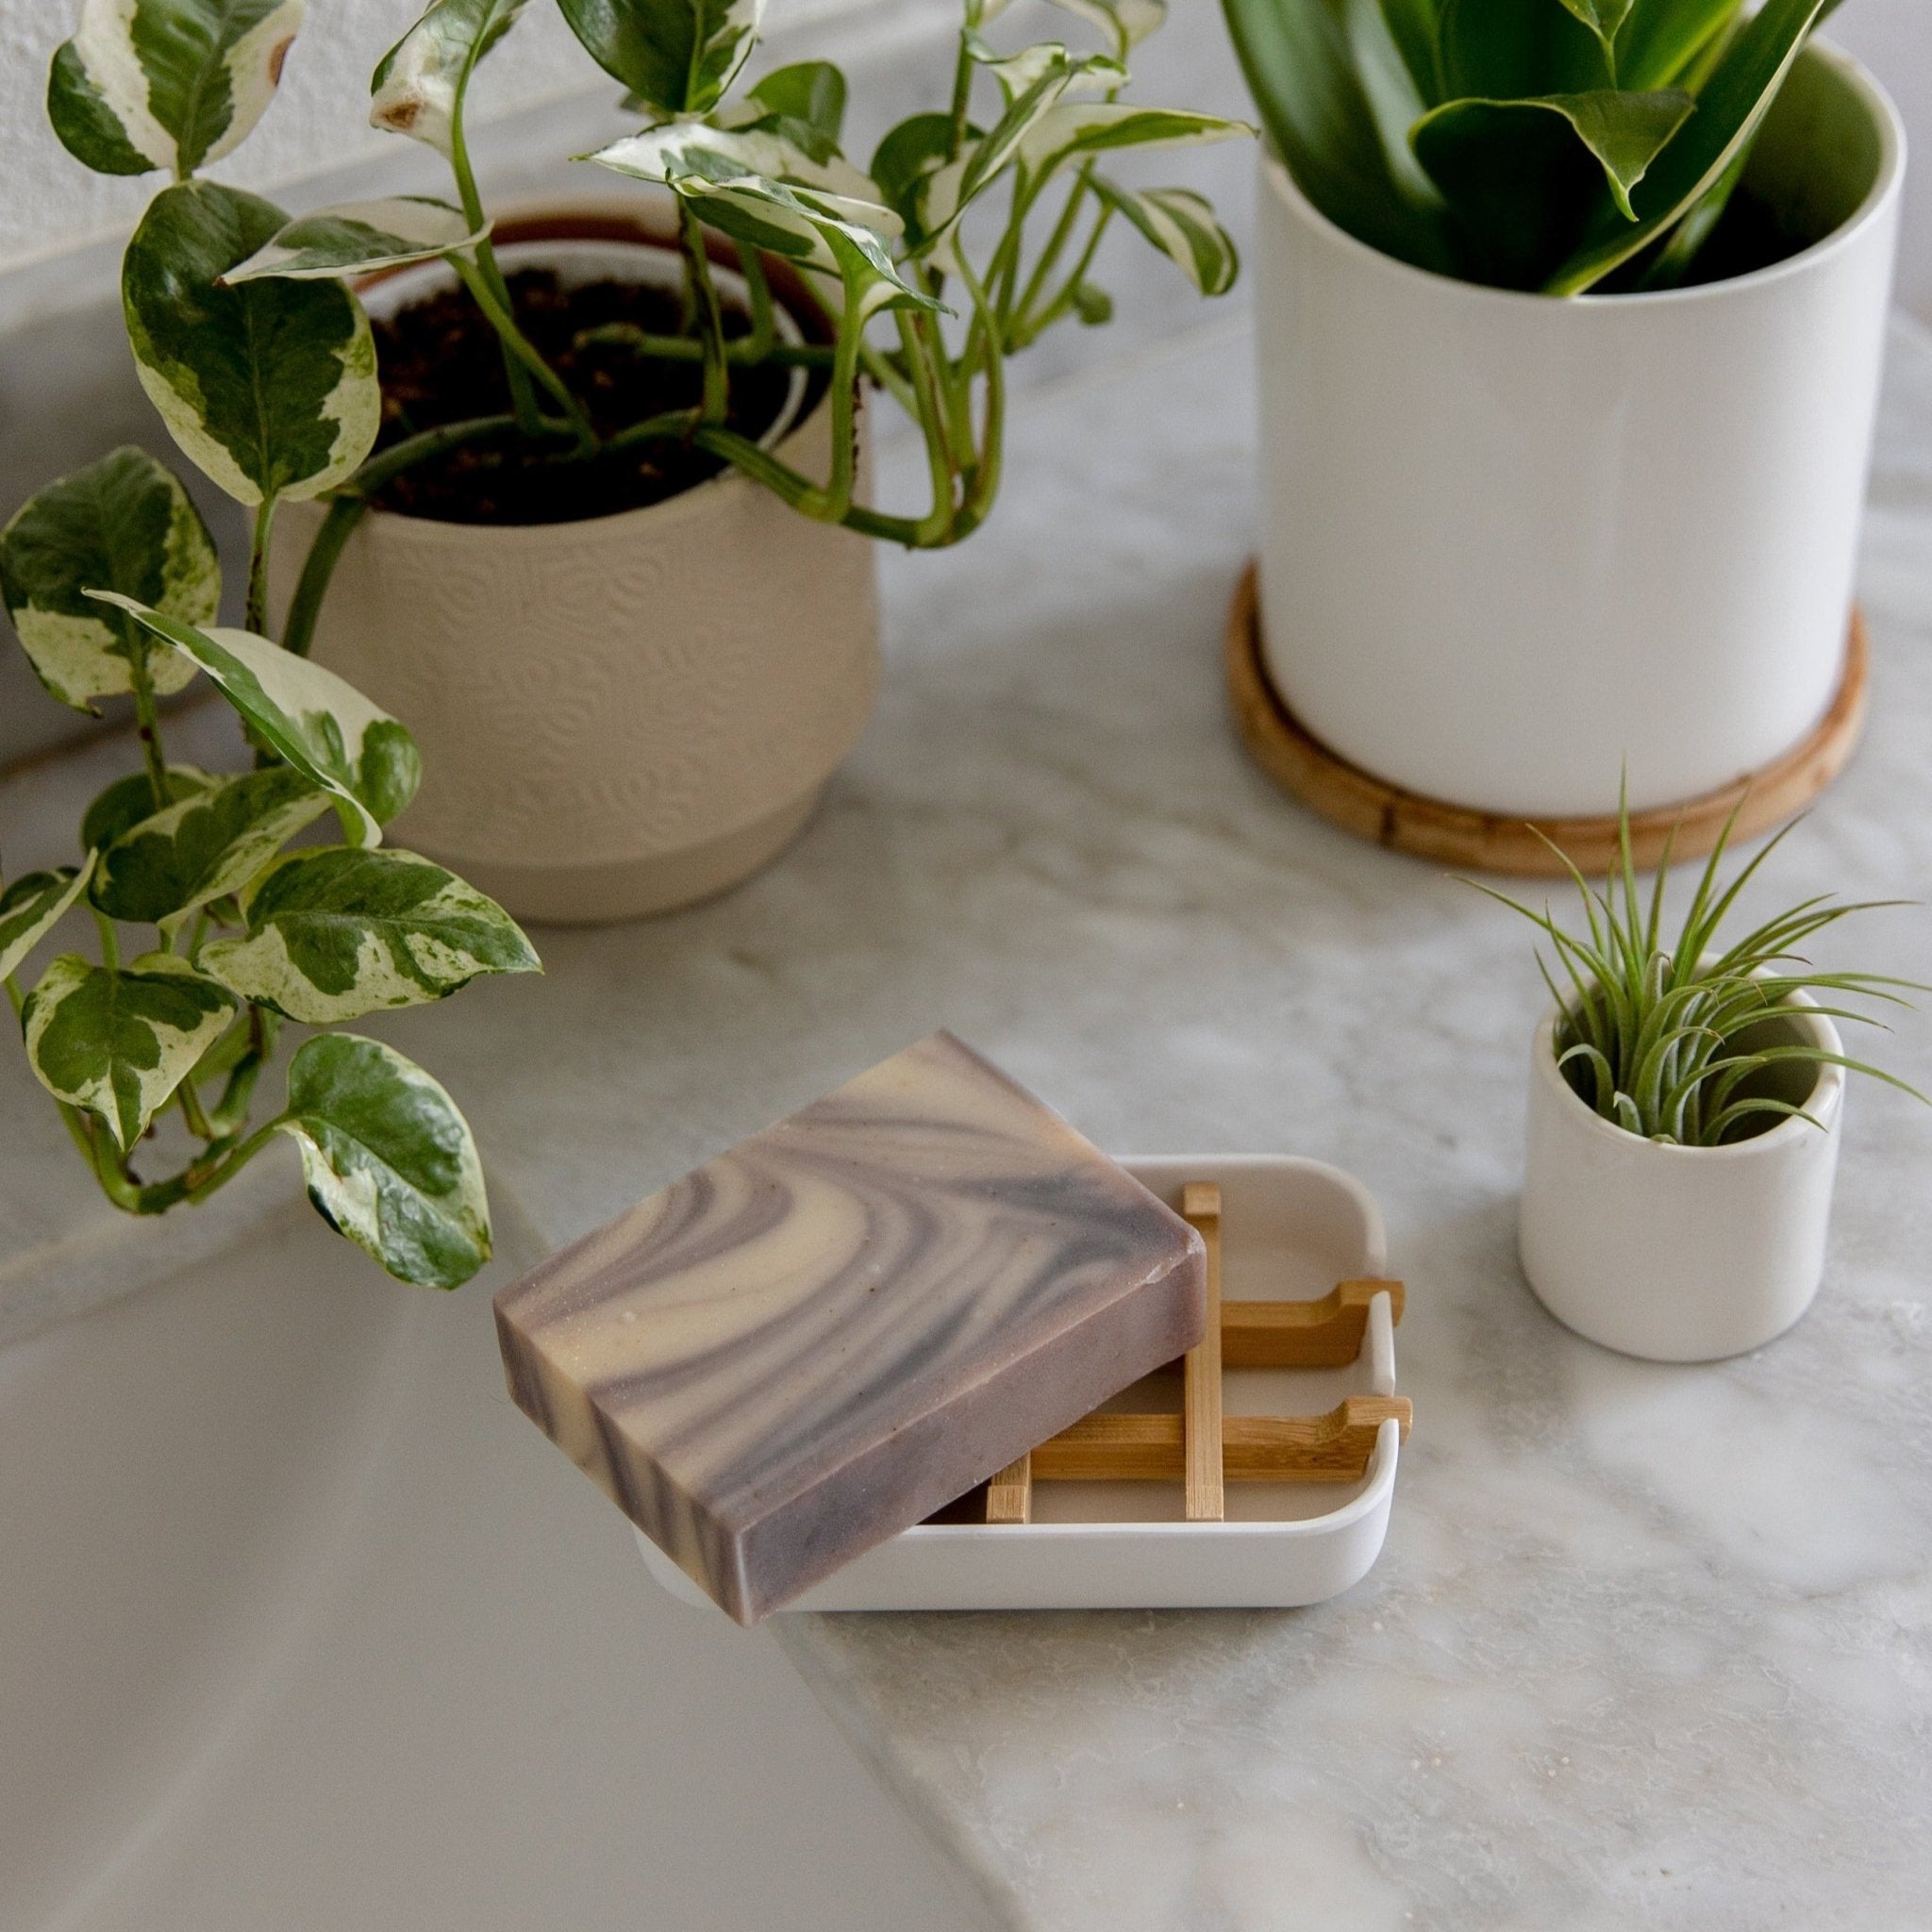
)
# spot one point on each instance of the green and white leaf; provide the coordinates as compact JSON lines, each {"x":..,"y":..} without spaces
{"x":1181,"y":225}
{"x":170,"y":84}
{"x":320,"y":724}
{"x":387,"y":1159}
{"x":334,"y":933}
{"x":828,"y":233}
{"x":34,"y":904}
{"x":122,"y":523}
{"x":1077,"y":128}
{"x":208,"y":844}
{"x":123,"y":805}
{"x":270,"y":387}
{"x":119,"y":1041}
{"x":1018,"y":73}
{"x":805,"y":103}
{"x":691,"y":149}
{"x":418,"y":85}
{"x":357,"y":237}
{"x":1125,"y":23}
{"x":677,"y":56}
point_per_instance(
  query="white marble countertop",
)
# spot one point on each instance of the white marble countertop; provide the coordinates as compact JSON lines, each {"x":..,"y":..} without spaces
{"x":1648,"y":1646}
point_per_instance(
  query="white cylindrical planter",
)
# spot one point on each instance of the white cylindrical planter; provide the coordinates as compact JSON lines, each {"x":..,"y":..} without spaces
{"x":1676,"y":1253}
{"x":617,"y":716}
{"x":1514,"y":546}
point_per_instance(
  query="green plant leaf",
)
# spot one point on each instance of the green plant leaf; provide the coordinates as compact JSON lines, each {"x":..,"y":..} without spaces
{"x":270,"y":387}
{"x":1182,"y":226}
{"x":1603,"y":18}
{"x":832,"y":234}
{"x":334,"y":933}
{"x":678,"y":55}
{"x":123,"y":805}
{"x":1661,"y":40}
{"x":1518,"y":172}
{"x":910,"y":153}
{"x":691,"y":149}
{"x":122,"y":523}
{"x":119,"y":1041}
{"x":1125,"y":23}
{"x":319,"y":723}
{"x":1411,"y":26}
{"x":169,"y":84}
{"x":1300,"y":66}
{"x":803,"y":104}
{"x":358,"y":236}
{"x":34,"y":904}
{"x":208,"y":844}
{"x":1509,"y":49}
{"x":1729,"y":109}
{"x":1075,"y":130}
{"x":418,"y":85}
{"x":387,"y":1159}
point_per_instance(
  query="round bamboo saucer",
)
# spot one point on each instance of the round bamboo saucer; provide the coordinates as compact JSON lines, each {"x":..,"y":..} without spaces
{"x":1457,"y":835}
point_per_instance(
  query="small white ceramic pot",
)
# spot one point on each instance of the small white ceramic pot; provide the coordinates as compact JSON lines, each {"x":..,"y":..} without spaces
{"x":1514,"y":547}
{"x":1677,"y":1254}
{"x":621,"y":715}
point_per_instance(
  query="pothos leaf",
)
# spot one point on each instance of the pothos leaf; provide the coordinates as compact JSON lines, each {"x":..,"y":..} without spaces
{"x":680,"y":148}
{"x":832,"y":234}
{"x":169,"y":84}
{"x":124,"y":802}
{"x":33,"y":905}
{"x":358,"y":236}
{"x":118,"y":1040}
{"x":805,"y":103}
{"x":122,"y":523}
{"x":680,"y":55}
{"x":334,"y":933}
{"x":270,"y":388}
{"x":906,"y":158}
{"x":418,"y":85}
{"x":1088,"y":127}
{"x":322,"y":724}
{"x":387,"y":1159}
{"x":208,"y":844}
{"x":1181,"y":225}
{"x":1125,"y":23}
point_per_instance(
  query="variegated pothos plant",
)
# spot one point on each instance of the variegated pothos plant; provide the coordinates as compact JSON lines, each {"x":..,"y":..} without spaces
{"x":112,"y":581}
{"x":972,"y":230}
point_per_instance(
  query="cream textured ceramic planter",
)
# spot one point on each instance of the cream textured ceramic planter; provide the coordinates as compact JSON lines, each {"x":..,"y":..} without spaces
{"x":1676,"y":1253}
{"x":617,"y":716}
{"x":1513,"y":546}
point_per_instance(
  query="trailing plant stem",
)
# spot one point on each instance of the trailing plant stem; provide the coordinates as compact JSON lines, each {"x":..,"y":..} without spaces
{"x":147,"y":723}
{"x":702,"y":293}
{"x":494,"y":303}
{"x":256,"y":618}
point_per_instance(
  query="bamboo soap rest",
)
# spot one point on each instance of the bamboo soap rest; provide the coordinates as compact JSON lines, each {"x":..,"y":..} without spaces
{"x":1310,"y":1437}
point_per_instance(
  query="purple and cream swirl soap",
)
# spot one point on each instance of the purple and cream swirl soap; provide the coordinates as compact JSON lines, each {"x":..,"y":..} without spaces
{"x":821,"y":1337}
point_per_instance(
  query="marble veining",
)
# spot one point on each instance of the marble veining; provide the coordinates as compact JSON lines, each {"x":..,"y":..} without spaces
{"x":817,"y":1338}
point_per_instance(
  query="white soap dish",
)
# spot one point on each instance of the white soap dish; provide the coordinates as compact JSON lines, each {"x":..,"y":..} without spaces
{"x":1126,"y":1509}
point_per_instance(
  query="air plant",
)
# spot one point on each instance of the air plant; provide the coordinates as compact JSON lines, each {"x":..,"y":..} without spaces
{"x":1683,"y":1041}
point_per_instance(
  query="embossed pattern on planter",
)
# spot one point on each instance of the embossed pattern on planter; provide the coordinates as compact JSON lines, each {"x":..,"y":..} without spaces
{"x":587,"y":693}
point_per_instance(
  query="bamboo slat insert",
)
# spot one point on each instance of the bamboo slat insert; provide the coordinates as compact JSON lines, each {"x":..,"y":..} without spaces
{"x":1009,"y":1495}
{"x":1327,"y":1334}
{"x":1254,"y":1448}
{"x":1201,"y":1391}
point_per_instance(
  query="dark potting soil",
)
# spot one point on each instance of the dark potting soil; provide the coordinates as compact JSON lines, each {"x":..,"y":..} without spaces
{"x":440,"y":363}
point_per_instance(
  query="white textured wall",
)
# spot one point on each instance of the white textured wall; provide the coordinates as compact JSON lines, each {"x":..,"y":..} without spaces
{"x":1893,"y":38}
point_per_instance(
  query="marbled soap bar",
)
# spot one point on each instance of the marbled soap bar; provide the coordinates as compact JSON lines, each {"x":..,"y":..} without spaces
{"x":823,"y":1336}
